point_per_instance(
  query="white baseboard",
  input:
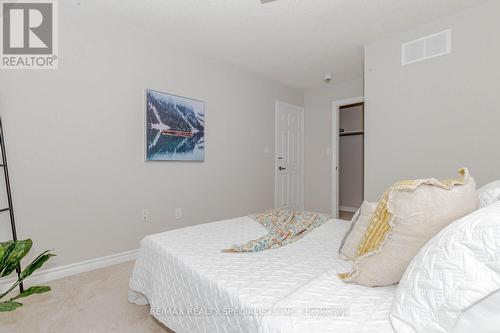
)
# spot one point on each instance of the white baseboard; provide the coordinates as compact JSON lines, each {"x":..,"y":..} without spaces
{"x":60,"y":272}
{"x":348,"y":209}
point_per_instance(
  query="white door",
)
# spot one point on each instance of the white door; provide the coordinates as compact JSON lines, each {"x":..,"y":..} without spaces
{"x":289,"y":176}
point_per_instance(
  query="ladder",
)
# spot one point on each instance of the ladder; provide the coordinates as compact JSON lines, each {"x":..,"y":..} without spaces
{"x":10,"y":208}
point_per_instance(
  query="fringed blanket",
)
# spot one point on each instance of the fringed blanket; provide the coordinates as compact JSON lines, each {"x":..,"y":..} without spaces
{"x":284,"y":227}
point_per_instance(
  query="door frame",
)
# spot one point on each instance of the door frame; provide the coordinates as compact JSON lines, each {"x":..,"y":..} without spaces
{"x":336,"y":105}
{"x":278,"y":103}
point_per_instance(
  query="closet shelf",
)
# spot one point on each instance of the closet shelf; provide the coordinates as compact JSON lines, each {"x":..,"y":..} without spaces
{"x":361,"y":132}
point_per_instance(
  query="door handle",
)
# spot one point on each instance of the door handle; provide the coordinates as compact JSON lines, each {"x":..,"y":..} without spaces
{"x":281,"y":168}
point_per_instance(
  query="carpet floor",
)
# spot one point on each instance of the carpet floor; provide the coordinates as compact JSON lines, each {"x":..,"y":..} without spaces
{"x":92,"y":302}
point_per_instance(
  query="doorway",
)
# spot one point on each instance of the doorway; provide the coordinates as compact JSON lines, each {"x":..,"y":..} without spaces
{"x":289,"y":158}
{"x":348,"y":157}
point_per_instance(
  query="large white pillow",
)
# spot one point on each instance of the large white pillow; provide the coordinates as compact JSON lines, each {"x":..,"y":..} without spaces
{"x":482,"y":317}
{"x":489,"y":194}
{"x":455,"y":270}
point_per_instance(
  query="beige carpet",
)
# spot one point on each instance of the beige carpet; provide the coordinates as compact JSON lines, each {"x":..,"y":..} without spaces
{"x":89,"y":302}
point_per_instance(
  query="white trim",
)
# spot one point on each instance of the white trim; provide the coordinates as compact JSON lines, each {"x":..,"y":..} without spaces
{"x":56,"y":273}
{"x":301,"y":110}
{"x":348,"y":209}
{"x":335,"y":149}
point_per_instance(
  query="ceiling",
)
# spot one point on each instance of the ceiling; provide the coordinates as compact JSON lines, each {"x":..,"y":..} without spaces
{"x":291,"y":41}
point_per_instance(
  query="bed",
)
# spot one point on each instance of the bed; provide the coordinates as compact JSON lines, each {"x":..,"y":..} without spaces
{"x":192,"y":286}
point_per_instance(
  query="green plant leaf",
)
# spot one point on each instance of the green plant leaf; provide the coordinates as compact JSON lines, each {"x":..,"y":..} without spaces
{"x":13,"y":255}
{"x":2,"y":251}
{"x":36,"y":264}
{"x":9,"y":306}
{"x":31,"y":291}
{"x":7,"y":243}
{"x":8,"y":248}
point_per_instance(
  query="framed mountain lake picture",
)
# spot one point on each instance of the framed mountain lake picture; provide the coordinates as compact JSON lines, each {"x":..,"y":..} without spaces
{"x":175,"y":128}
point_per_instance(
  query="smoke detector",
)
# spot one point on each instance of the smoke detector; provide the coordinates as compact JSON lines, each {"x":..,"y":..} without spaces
{"x":328,"y":77}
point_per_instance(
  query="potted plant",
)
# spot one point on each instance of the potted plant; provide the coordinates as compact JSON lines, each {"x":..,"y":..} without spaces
{"x":11,"y":253}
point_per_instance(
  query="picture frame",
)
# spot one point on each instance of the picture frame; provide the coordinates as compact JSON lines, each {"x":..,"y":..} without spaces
{"x":175,"y":127}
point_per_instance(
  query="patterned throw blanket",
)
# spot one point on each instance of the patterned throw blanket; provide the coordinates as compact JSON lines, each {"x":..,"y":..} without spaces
{"x":284,"y":227}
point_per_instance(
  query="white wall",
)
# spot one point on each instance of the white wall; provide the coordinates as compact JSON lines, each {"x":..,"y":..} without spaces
{"x":432,"y":117}
{"x":318,"y":141}
{"x":75,"y":140}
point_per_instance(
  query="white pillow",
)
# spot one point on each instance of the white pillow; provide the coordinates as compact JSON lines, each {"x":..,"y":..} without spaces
{"x":489,"y":193}
{"x":481,"y":317}
{"x":455,"y":270}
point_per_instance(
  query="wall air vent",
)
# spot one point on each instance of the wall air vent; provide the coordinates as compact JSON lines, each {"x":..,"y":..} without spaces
{"x":425,"y":48}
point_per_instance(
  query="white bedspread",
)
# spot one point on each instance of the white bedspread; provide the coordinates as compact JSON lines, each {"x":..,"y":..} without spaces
{"x":193,"y":287}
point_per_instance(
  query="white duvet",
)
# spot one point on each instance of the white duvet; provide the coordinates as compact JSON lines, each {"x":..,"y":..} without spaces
{"x":192,"y":286}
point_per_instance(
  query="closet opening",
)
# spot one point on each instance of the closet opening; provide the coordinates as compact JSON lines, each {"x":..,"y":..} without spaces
{"x":349,"y":157}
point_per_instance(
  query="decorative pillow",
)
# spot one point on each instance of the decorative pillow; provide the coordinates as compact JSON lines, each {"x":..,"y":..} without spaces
{"x":354,"y":235}
{"x":452,"y":276}
{"x":408,"y":215}
{"x":489,"y":193}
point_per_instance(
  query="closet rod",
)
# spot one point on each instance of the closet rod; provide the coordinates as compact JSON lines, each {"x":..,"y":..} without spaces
{"x":351,"y":133}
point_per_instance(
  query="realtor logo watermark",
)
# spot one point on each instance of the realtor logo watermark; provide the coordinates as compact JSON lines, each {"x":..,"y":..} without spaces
{"x":29,"y":34}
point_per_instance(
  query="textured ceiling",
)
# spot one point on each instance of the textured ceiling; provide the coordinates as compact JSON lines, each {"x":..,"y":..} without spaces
{"x":291,"y":41}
